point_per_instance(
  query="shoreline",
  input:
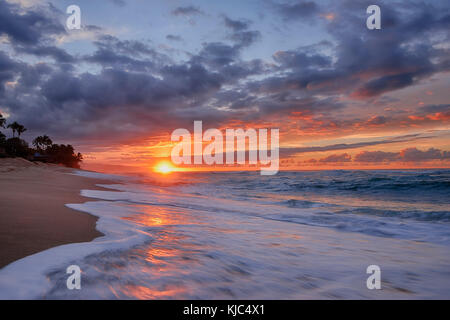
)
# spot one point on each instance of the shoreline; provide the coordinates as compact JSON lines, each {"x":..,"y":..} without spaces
{"x":33,"y":212}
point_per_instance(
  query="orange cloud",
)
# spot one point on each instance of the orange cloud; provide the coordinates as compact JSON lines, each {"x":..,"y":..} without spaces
{"x":439,"y":116}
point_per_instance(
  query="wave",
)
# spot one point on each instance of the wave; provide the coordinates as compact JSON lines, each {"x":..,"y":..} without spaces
{"x":222,"y":230}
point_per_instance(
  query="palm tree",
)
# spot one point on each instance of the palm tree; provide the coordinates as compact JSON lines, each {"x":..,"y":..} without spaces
{"x":21,"y":129}
{"x":42,"y":141}
{"x":13,"y":126}
{"x":16,"y":127}
{"x":2,"y":121}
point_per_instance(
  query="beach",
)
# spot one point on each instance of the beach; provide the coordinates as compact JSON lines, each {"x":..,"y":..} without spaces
{"x":296,"y":235}
{"x":33,"y":214}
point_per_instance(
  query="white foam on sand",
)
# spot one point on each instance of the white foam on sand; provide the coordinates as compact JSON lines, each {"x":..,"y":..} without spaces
{"x":27,"y":278}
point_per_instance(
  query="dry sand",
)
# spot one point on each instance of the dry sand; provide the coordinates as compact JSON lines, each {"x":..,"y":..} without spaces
{"x":32,"y":212}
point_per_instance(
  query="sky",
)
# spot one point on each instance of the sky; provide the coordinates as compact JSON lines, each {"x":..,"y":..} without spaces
{"x":343,"y":96}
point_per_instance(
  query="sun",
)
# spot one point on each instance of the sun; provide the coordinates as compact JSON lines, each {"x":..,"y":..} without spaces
{"x":164,"y":167}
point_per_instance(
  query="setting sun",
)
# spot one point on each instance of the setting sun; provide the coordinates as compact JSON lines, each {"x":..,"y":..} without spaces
{"x":164,"y":167}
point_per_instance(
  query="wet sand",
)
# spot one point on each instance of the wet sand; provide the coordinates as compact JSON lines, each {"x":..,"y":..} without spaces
{"x":33,"y":215}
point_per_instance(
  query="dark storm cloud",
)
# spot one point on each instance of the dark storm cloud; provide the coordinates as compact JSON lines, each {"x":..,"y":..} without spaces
{"x":61,"y":88}
{"x":112,"y":88}
{"x":60,"y":55}
{"x":393,"y":57}
{"x":137,"y":88}
{"x":368,"y":63}
{"x":114,"y":101}
{"x":31,"y":76}
{"x":105,"y":103}
{"x":8,"y":69}
{"x":127,"y":47}
{"x":127,"y":54}
{"x":110,"y":58}
{"x":124,"y":92}
{"x":225,"y":59}
{"x":30,"y":27}
{"x":217,"y":54}
{"x":299,"y":60}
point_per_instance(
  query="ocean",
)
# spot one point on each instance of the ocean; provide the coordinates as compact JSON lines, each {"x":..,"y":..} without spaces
{"x":240,"y":235}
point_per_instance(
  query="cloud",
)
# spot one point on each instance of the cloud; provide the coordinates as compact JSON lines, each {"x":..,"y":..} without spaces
{"x":408,"y":155}
{"x":416,"y":155}
{"x":344,"y":146}
{"x":236,"y":25}
{"x":429,"y":113}
{"x":126,"y":88}
{"x":377,"y":120}
{"x":172,"y":37}
{"x":375,"y":156}
{"x":217,"y":54}
{"x":137,"y":89}
{"x":126,"y":54}
{"x":296,"y":10}
{"x":435,"y":108}
{"x":360,"y":66}
{"x":187,"y":11}
{"x":336,"y":158}
{"x":240,"y":33}
{"x":8,"y":70}
{"x":383,"y":84}
{"x":54,"y":52}
{"x":34,"y":25}
{"x":300,"y":60}
{"x":405,"y":155}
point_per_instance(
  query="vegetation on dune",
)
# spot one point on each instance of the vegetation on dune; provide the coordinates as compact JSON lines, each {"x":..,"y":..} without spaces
{"x":44,"y":148}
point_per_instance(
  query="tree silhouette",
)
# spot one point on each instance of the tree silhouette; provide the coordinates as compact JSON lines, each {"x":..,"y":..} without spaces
{"x":21,"y":129}
{"x":54,"y":153}
{"x":2,"y":121}
{"x":2,"y":136}
{"x":64,"y":154}
{"x":2,"y":139}
{"x":42,"y":142}
{"x":17,"y":147}
{"x":14,"y":126}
